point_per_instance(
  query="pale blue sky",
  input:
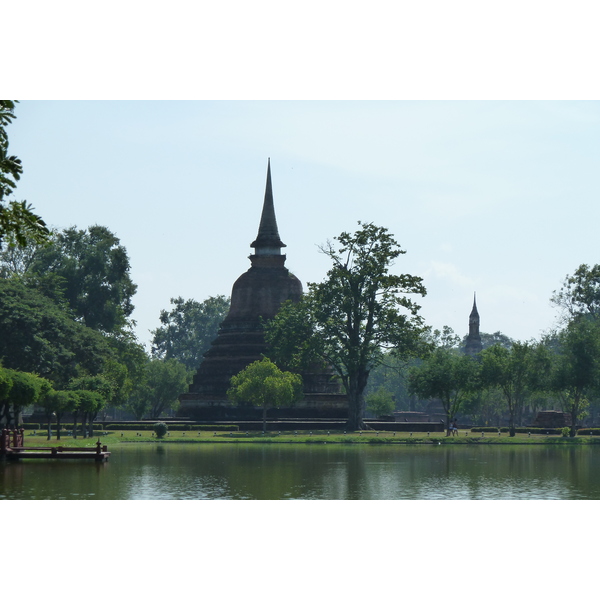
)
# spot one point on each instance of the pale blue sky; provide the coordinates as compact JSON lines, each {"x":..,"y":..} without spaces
{"x":494,"y":197}
{"x":497,"y":197}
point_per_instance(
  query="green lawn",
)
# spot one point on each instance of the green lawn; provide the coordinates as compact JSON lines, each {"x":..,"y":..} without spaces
{"x":337,"y":437}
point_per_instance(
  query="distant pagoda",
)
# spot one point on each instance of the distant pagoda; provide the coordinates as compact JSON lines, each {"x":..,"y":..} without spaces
{"x":473,"y":345}
{"x":256,"y":296}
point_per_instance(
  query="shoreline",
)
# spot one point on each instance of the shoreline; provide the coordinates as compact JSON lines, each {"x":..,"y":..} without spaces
{"x":321,"y":437}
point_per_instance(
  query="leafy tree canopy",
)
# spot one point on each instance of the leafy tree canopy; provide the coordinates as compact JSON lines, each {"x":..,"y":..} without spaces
{"x":39,"y":337}
{"x":580,"y":293}
{"x":492,"y":339}
{"x":446,"y":338}
{"x":94,"y":383}
{"x":357,"y":312}
{"x":16,"y":218}
{"x":381,"y":402}
{"x":188,"y":329}
{"x":263,"y":384}
{"x":163,"y":382}
{"x":446,"y":375}
{"x":91,"y":270}
{"x":516,"y":371}
{"x":17,"y":390}
{"x":575,"y":367}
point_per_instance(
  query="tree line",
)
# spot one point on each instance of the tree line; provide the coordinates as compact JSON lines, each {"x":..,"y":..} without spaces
{"x":65,"y":316}
{"x":508,"y":380}
{"x":67,"y":342}
{"x":66,"y":329}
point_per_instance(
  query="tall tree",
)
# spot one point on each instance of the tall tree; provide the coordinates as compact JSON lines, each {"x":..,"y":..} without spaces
{"x":448,"y":376}
{"x":575,"y":374}
{"x":356,"y":313}
{"x":516,"y":372}
{"x":188,"y":329}
{"x":580,"y":293}
{"x":92,"y":269}
{"x":164,"y":380}
{"x":16,"y":218}
{"x":131,"y":355}
{"x":263,"y":384}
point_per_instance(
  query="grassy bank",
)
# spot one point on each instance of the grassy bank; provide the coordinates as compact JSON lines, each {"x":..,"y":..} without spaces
{"x":304,"y":437}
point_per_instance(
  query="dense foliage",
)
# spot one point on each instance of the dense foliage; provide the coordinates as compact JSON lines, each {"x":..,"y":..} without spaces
{"x":517,"y":372}
{"x":159,"y":389}
{"x":90,"y":270}
{"x":380,"y":403}
{"x":187,"y":330}
{"x":160,"y":429}
{"x":446,"y":375}
{"x":263,"y":384}
{"x":39,"y":336}
{"x":580,"y":293}
{"x":349,"y":319}
{"x":575,"y":368}
{"x":17,"y":219}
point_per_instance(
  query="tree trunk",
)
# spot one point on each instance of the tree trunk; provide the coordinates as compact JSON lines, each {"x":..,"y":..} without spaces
{"x":574,"y":411}
{"x":264,"y":419}
{"x":57,"y":426}
{"x":49,"y":427}
{"x":91,"y":423}
{"x":17,"y":415}
{"x":446,"y":402}
{"x":511,"y":416}
{"x":75,"y":425}
{"x":356,"y":400}
{"x":7,"y":418}
{"x":4,"y":417}
{"x":83,"y":425}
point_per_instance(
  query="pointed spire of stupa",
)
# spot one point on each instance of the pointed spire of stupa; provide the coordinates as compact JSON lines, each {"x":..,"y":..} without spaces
{"x":474,"y":318}
{"x":474,"y":313}
{"x":268,"y":240}
{"x":474,"y":344}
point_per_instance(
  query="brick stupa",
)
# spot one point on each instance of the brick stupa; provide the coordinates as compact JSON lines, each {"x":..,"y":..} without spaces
{"x":257,"y":295}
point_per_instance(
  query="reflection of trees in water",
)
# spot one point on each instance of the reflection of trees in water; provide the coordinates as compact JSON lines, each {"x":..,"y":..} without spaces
{"x":55,"y":480}
{"x":307,"y":471}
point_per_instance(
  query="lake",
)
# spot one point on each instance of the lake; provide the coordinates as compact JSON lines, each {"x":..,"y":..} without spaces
{"x":170,"y":471}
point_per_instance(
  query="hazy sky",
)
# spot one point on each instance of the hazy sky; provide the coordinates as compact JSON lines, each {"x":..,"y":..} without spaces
{"x":494,"y":197}
{"x":498,"y":198}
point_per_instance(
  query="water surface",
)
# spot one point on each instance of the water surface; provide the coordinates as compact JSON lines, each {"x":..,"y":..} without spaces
{"x":312,"y":471}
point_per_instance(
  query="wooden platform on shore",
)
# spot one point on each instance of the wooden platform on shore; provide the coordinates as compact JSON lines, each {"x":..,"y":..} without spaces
{"x":57,"y":452}
{"x":12,"y":448}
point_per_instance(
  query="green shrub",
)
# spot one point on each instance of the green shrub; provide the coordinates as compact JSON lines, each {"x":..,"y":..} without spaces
{"x":565,"y":431}
{"x":160,"y":429}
